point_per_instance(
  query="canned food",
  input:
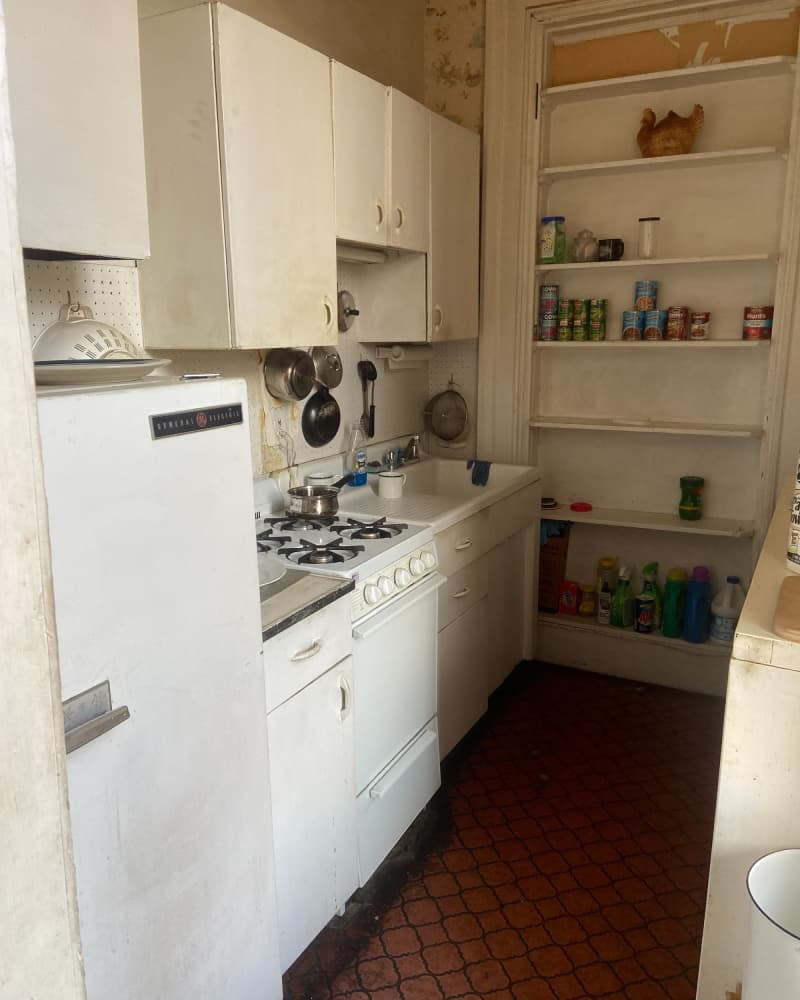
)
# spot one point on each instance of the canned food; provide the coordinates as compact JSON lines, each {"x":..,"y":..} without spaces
{"x":597,"y":319}
{"x":678,"y":323}
{"x":632,"y":324}
{"x":548,"y":326}
{"x":566,"y":311}
{"x":645,"y":295}
{"x":757,"y":322}
{"x":548,"y":298}
{"x":655,"y":324}
{"x":645,"y":613}
{"x":700,"y":326}
{"x":580,"y":319}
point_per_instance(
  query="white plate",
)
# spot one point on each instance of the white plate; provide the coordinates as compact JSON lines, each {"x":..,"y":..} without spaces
{"x":95,"y":372}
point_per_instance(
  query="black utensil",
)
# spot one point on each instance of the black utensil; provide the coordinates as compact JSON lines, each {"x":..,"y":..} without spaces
{"x":321,"y":418}
{"x":368,"y":373}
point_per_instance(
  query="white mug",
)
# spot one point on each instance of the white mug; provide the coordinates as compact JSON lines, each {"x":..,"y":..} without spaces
{"x":390,"y":485}
{"x":320,"y":479}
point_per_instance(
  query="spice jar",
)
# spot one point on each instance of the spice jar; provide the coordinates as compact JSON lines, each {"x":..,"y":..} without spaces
{"x":648,"y":225}
{"x":552,"y":240}
{"x":691,"y":505}
{"x":588,"y":605}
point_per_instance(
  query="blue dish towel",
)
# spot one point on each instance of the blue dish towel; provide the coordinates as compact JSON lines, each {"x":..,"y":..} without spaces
{"x":480,"y":471}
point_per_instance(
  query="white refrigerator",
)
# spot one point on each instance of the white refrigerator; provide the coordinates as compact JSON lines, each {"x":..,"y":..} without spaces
{"x":149,"y":493}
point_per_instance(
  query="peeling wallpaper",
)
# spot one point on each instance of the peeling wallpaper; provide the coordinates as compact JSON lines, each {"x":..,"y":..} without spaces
{"x":700,"y":44}
{"x":454,"y":59}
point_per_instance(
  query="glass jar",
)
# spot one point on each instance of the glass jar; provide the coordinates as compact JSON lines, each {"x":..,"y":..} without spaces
{"x":648,"y":226}
{"x":588,"y":604}
{"x":552,"y":240}
{"x":691,"y":505}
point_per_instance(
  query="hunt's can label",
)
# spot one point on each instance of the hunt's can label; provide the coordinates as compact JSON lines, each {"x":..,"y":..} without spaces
{"x":757,"y":322}
{"x":580,"y":319}
{"x":645,"y":294}
{"x":699,"y":326}
{"x":632,"y":324}
{"x":678,"y":323}
{"x":645,"y":608}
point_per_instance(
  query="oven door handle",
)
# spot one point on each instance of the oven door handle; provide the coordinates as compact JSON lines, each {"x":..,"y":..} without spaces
{"x":400,"y":606}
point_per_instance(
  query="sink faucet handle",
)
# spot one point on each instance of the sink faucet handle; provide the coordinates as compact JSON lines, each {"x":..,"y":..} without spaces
{"x":412,"y":449}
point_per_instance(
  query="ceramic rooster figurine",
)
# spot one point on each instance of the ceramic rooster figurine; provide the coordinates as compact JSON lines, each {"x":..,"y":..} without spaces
{"x":672,"y":136}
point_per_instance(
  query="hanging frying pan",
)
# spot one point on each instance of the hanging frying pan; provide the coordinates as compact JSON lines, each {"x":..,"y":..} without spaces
{"x":321,"y":418}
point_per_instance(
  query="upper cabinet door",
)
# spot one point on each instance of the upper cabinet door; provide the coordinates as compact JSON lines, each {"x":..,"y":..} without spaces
{"x":455,"y":229}
{"x":359,"y":137}
{"x":275,"y":116}
{"x":76,"y":111}
{"x":409,"y":142}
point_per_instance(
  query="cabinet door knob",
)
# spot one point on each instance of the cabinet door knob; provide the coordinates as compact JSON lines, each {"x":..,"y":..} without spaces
{"x":379,"y":206}
{"x":398,"y":211}
{"x":326,"y":305}
{"x":438,"y":318}
{"x":306,"y":654}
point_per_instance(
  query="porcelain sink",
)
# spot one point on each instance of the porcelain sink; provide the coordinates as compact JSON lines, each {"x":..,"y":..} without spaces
{"x":448,"y":477}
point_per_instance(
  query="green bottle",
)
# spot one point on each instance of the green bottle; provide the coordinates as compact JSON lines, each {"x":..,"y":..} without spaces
{"x":622,"y":609}
{"x":650,"y":577}
{"x":674,"y":602}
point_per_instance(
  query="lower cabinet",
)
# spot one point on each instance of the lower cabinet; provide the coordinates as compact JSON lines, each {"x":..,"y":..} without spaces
{"x":312,"y":774}
{"x":511,"y":607}
{"x":463,"y":688}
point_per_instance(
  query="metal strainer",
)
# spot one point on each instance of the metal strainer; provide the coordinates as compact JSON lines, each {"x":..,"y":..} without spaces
{"x":446,"y":414}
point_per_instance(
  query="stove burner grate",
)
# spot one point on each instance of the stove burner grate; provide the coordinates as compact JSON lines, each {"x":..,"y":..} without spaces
{"x":307,"y":553}
{"x":368,"y":530}
{"x":300,"y":522}
{"x":267,"y":540}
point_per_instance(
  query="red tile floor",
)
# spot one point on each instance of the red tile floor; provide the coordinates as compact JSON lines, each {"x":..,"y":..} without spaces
{"x":565,"y":858}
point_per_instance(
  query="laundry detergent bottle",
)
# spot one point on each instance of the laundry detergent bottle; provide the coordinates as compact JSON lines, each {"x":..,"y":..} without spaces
{"x":725,"y":610}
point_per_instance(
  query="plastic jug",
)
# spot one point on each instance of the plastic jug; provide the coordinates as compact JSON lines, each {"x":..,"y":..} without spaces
{"x":725,"y":610}
{"x":674,"y":602}
{"x":698,"y":601}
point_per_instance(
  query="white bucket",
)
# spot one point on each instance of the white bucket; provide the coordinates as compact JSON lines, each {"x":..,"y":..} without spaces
{"x":772,"y":962}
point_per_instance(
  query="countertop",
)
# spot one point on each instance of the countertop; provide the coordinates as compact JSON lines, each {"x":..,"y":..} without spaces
{"x":296,"y":596}
{"x":754,"y":640}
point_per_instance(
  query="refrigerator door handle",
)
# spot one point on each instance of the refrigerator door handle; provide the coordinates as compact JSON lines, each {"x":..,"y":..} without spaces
{"x":89,"y":731}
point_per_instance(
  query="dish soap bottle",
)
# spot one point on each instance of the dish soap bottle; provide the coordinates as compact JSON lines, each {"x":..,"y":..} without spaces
{"x":622,"y":612}
{"x":355,"y":445}
{"x":725,"y":610}
{"x":650,"y":586}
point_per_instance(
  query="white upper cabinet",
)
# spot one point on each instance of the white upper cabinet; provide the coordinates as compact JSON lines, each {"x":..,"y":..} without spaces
{"x":239,"y":150}
{"x":453,"y":260}
{"x":359,"y":133}
{"x":73,"y":80}
{"x":409,"y":142}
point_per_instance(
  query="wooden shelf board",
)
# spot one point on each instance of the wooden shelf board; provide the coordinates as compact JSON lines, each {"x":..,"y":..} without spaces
{"x":574,"y":623}
{"x":653,"y":262}
{"x":646,"y":427}
{"x":720,"y":527}
{"x":690,"y":76}
{"x":721,"y":157}
{"x":657,"y":345}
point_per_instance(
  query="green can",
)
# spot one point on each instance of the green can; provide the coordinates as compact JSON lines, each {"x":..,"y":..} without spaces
{"x":691,"y":505}
{"x":580,"y":319}
{"x":597,"y":318}
{"x":566,"y":312}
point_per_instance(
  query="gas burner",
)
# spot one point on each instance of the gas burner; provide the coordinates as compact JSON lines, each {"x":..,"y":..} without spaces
{"x":300,"y":522}
{"x":368,"y":530}
{"x":267,"y":540}
{"x":307,"y":553}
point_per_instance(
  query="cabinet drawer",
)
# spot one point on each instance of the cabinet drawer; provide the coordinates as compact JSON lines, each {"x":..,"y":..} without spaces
{"x":463,"y":543}
{"x":463,"y":590}
{"x":512,"y":514}
{"x":306,"y":650}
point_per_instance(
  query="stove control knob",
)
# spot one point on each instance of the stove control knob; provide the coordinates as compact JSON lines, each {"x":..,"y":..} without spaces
{"x":385,"y":585}
{"x":371,"y":594}
{"x":417,"y":567}
{"x":402,"y":577}
{"x":428,"y":559}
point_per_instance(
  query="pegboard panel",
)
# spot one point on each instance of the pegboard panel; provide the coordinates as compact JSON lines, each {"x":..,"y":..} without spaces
{"x":111,"y":291}
{"x":458,"y":358}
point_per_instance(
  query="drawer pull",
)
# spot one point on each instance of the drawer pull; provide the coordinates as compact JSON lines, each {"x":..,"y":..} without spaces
{"x":306,"y":654}
{"x":466,"y":544}
{"x":461,"y":593}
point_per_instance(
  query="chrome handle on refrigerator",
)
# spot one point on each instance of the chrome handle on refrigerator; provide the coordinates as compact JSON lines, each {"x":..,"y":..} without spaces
{"x":89,"y":715}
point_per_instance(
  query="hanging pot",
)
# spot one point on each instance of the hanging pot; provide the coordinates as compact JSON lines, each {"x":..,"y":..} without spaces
{"x":327,"y":365}
{"x":316,"y":501}
{"x":321,"y":419}
{"x":288,"y":373}
{"x":446,"y":415}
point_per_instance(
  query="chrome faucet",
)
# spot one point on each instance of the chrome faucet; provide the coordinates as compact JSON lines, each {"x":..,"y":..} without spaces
{"x":412,"y":449}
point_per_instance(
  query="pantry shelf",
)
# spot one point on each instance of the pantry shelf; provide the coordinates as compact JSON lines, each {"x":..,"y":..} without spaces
{"x":691,"y":76}
{"x":656,"y":345}
{"x":574,"y":624}
{"x":646,"y":426}
{"x":689,"y":160}
{"x":652,"y":262}
{"x":719,"y":527}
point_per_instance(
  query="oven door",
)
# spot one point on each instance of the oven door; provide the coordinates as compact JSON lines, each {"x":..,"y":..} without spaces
{"x":394,"y":665}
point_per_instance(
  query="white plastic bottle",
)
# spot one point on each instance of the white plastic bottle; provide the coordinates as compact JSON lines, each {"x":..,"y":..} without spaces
{"x":725,"y":610}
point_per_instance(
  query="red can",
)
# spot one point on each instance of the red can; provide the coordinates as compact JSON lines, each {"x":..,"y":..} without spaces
{"x":757,"y":322}
{"x":568,"y":597}
{"x":645,"y":613}
{"x":678,"y":323}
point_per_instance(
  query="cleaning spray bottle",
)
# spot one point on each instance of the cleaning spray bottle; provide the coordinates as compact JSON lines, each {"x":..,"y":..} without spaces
{"x":650,"y":586}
